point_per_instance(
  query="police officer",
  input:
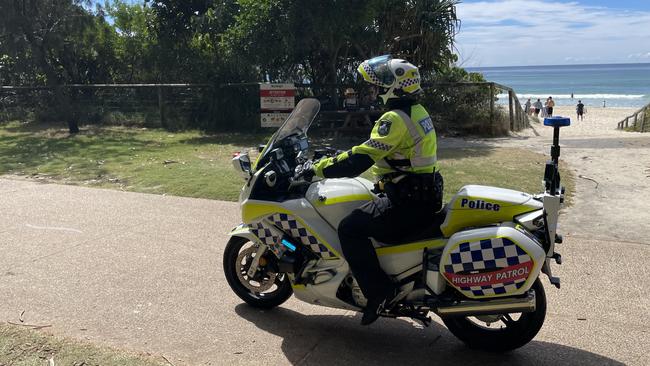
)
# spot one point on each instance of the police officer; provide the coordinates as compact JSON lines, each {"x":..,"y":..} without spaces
{"x":402,"y":153}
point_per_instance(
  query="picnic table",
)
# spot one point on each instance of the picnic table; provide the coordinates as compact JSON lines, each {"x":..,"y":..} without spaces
{"x":349,"y":121}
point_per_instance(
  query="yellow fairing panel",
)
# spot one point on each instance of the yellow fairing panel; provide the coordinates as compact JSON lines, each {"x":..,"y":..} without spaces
{"x":476,"y":206}
{"x":251,"y":211}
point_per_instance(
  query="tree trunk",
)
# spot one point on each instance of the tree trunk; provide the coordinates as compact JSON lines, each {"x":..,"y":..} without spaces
{"x":65,"y":109}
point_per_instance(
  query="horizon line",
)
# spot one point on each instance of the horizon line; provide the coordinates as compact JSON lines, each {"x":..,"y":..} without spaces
{"x":591,"y":64}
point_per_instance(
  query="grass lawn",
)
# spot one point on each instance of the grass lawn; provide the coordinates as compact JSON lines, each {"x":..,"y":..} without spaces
{"x":151,"y":161}
{"x":512,"y":168}
{"x":194,"y":165}
{"x":26,"y":348}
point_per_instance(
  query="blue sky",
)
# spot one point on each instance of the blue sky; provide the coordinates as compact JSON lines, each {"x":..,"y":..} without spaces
{"x":548,"y":32}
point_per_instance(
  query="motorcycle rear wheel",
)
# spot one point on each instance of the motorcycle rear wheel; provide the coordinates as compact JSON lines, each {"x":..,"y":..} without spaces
{"x":480,"y":333}
{"x":236,"y":261}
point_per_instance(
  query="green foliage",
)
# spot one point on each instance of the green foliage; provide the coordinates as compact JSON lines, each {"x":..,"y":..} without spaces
{"x":223,"y":42}
{"x":54,"y":42}
{"x":460,"y":104}
{"x":325,"y":41}
{"x":57,"y":42}
{"x":133,"y":41}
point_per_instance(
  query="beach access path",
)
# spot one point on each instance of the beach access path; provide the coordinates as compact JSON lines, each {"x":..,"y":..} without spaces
{"x":612,"y":169}
{"x":143,"y":272}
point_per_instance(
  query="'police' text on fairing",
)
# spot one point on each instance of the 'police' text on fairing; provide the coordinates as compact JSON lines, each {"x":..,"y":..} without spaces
{"x":479,"y":205}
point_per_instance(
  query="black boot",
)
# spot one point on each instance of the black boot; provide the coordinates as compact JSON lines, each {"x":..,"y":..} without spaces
{"x":376,"y":305}
{"x":372,"y":311}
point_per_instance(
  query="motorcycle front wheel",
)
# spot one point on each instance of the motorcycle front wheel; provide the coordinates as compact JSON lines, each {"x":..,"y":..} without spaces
{"x":266,"y":289}
{"x":500,"y":332}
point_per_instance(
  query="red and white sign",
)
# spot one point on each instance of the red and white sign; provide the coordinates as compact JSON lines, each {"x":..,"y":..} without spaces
{"x":273,"y":119}
{"x":276,"y":103}
{"x":508,"y":274}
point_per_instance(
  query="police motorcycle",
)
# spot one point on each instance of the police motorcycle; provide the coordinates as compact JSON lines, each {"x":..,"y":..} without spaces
{"x":477,"y":266}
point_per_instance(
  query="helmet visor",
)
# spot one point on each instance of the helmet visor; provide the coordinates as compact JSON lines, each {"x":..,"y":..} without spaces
{"x":380,"y":66}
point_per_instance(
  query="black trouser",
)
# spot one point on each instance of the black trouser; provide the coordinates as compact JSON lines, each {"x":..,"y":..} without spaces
{"x":385,"y":222}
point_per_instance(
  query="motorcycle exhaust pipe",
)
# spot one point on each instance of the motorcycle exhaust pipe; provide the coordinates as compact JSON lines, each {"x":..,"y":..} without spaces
{"x":499,"y":306}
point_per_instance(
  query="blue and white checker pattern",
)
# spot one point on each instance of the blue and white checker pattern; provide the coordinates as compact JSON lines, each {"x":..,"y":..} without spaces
{"x":378,"y":145}
{"x":268,"y":237}
{"x":494,"y":253}
{"x":375,"y":80}
{"x":295,"y":229}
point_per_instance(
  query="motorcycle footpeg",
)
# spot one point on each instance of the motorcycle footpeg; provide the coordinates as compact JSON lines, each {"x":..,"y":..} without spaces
{"x":555,"y":281}
{"x":557,"y":257}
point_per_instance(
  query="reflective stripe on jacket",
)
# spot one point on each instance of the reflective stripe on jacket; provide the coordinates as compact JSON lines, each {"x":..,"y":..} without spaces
{"x":408,"y":141}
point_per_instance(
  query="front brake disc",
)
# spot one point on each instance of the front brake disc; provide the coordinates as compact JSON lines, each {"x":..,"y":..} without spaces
{"x":261,"y":281}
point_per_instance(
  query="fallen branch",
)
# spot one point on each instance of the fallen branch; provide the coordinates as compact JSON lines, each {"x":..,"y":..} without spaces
{"x":168,"y":361}
{"x":33,"y":326}
{"x":587,"y":178}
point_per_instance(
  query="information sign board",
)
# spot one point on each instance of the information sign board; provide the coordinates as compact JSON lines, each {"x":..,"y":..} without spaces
{"x":276,"y":103}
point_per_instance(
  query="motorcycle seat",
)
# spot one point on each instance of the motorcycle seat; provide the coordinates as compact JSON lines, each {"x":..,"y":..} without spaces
{"x":431,"y":231}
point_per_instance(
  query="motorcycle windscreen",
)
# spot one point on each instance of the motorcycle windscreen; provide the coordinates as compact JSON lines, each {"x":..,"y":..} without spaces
{"x":297,"y":123}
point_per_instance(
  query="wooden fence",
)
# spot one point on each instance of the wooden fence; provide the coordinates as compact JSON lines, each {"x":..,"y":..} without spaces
{"x":503,"y":116}
{"x":154,"y":102}
{"x":639,"y":121}
{"x":465,"y":108}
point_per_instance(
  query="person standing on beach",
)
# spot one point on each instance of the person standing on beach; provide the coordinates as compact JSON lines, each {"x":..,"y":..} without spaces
{"x":580,"y":111}
{"x":527,"y":107}
{"x":538,"y":107}
{"x":549,"y":106}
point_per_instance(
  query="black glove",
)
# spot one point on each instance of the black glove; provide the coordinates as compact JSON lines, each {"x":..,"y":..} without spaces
{"x":305,"y":171}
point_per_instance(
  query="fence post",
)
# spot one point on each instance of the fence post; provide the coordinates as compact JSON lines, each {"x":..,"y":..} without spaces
{"x":517,"y":115}
{"x":161,"y":107}
{"x":492,"y":109}
{"x":510,"y":106}
{"x":626,"y":121}
{"x":515,"y":106}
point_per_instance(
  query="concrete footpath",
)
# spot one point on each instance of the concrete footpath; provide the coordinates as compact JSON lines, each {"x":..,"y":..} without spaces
{"x":143,"y":272}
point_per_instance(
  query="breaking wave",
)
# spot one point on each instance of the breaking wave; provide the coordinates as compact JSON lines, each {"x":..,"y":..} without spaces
{"x":577,"y":96}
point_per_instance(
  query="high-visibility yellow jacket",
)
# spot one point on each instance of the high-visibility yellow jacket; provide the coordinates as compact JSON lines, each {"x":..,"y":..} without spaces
{"x":398,"y":143}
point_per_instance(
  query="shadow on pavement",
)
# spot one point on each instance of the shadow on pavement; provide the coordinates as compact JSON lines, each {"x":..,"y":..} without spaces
{"x":339,"y":339}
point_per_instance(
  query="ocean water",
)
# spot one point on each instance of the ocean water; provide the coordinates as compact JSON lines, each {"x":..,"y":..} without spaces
{"x":619,"y":85}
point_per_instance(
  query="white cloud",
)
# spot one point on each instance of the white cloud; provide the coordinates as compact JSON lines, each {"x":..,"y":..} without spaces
{"x":537,"y":32}
{"x":639,"y":56}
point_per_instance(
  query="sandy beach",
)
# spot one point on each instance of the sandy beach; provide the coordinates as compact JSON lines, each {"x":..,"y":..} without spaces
{"x":612,"y":170}
{"x":598,"y":121}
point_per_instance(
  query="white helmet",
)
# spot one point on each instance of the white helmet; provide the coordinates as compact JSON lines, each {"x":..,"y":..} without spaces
{"x":399,"y":76}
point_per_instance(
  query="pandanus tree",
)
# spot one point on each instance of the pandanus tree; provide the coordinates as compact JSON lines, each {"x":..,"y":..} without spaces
{"x":324,"y":41}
